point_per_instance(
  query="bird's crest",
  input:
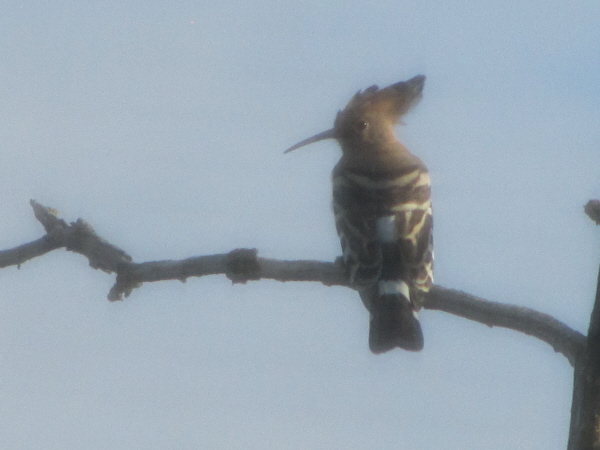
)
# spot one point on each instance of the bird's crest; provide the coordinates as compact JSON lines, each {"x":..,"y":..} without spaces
{"x":393,"y":101}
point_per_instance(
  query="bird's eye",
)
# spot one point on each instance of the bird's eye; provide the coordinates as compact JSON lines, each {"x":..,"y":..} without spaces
{"x":361,"y":125}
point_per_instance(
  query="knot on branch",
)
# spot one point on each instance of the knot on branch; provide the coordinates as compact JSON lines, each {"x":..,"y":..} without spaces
{"x":592,"y":209}
{"x":101,"y":254}
{"x":124,"y":286}
{"x":242,"y":265}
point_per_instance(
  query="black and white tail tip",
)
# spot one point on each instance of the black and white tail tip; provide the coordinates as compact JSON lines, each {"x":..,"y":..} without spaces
{"x":394,"y":321}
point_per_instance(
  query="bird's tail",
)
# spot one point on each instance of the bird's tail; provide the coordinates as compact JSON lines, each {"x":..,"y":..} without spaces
{"x":393,"y":321}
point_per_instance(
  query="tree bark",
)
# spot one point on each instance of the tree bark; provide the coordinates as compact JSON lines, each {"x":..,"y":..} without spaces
{"x":584,"y":433}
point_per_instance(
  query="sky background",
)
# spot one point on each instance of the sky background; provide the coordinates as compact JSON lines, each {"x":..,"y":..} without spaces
{"x":163,"y":124}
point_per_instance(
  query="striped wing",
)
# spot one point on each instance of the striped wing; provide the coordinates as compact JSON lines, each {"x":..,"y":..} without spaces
{"x":385,"y":226}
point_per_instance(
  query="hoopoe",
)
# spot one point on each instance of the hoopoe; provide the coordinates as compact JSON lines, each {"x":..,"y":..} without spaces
{"x":382,"y":207}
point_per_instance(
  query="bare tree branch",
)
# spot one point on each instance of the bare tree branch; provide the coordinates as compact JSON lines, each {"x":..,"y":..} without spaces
{"x":242,"y":265}
{"x":78,"y":237}
{"x":562,"y":338}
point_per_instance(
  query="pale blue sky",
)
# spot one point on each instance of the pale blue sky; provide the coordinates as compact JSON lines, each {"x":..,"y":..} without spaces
{"x":163,"y":125}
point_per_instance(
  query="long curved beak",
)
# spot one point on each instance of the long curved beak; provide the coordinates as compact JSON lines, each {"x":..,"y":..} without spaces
{"x":329,"y":134}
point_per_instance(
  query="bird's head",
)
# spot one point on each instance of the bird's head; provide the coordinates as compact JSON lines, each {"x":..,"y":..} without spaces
{"x":369,"y":118}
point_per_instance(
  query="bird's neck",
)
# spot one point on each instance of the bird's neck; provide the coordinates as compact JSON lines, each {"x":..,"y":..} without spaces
{"x":391,"y":157}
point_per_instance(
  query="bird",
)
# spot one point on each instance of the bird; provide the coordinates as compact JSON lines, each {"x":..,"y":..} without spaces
{"x":383,"y":215}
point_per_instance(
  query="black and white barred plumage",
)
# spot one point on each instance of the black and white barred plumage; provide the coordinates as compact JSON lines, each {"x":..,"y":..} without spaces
{"x":382,"y":207}
{"x":384,"y":223}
